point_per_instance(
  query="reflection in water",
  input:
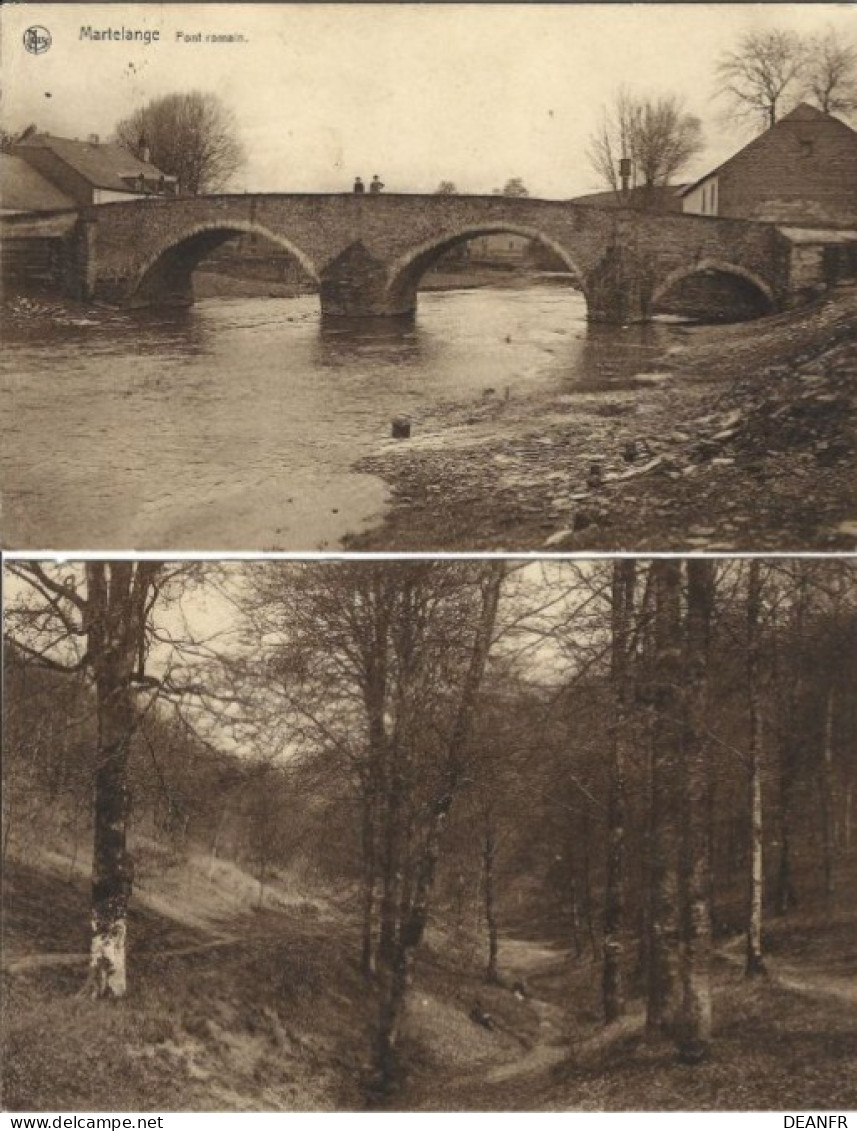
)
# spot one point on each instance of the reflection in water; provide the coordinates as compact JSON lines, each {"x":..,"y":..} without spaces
{"x":612,"y":355}
{"x":234,"y":425}
{"x":370,"y":341}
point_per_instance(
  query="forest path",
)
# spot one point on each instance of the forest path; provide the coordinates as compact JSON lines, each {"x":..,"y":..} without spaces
{"x":504,"y":1078}
{"x":800,"y":979}
{"x":491,"y":1068}
{"x":29,"y":962}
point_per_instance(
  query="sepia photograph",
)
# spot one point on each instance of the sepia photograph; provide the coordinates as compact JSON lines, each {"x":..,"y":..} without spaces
{"x":430,"y":835}
{"x":429,"y":277}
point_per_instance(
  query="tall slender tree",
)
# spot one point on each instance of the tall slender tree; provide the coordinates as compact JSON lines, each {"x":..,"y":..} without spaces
{"x":755,"y":961}
{"x":694,"y":1029}
{"x":622,"y":610}
{"x":663,"y":985}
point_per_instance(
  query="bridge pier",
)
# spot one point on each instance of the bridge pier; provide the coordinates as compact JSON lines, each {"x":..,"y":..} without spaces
{"x":355,"y":285}
{"x":619,"y":289}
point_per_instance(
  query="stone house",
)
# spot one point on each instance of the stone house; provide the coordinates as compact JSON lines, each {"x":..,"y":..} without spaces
{"x":92,"y":172}
{"x":24,"y":189}
{"x":802,"y":172}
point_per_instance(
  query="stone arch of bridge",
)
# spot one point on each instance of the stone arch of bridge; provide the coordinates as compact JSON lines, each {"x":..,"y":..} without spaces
{"x":720,"y":267}
{"x":169,"y":268}
{"x":404,"y":274}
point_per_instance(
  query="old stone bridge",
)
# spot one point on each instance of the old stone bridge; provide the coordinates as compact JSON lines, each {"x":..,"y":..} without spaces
{"x":368,"y":253}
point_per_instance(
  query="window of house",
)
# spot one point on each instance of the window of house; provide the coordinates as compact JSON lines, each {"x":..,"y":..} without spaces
{"x":805,"y":147}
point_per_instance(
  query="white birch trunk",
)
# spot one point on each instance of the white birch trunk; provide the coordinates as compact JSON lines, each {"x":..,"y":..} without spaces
{"x":107,"y":956}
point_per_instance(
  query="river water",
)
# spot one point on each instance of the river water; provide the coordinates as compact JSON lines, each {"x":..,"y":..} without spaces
{"x":235,"y":425}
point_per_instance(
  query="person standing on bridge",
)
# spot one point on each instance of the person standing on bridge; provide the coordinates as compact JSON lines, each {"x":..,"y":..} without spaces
{"x":376,"y":185}
{"x":359,"y":187}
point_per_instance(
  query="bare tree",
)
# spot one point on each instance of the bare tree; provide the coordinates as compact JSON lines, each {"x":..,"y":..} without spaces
{"x":830,"y":72}
{"x":656,"y":135}
{"x":191,"y":136}
{"x":101,"y":627}
{"x":763,"y":73}
{"x":380,"y":666}
{"x":98,"y":621}
{"x":446,"y":188}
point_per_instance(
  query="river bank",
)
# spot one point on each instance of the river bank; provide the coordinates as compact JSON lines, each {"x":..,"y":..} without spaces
{"x":738,"y":438}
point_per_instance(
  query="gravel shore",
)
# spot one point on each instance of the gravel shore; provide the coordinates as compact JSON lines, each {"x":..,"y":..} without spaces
{"x":740,"y":438}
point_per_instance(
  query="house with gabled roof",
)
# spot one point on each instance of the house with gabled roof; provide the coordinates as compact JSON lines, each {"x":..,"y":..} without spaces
{"x":802,"y":171}
{"x":93,"y":172}
{"x":24,"y":189}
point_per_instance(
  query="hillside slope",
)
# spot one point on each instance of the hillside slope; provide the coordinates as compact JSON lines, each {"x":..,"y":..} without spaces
{"x":256,"y":1011}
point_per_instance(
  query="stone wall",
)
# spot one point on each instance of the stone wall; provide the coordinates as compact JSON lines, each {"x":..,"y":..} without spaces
{"x":799,"y":173}
{"x":369,"y":253}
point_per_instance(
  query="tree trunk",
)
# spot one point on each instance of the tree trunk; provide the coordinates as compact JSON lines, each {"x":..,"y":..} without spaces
{"x":112,"y":872}
{"x":413,"y":917}
{"x":119,"y":596}
{"x":391,"y":868}
{"x":587,"y":885}
{"x":491,"y":973}
{"x":785,"y":895}
{"x":393,"y":984}
{"x":755,"y":962}
{"x":367,"y":955}
{"x":614,"y":894}
{"x":663,"y":920}
{"x":827,"y":795}
{"x":694,"y":1034}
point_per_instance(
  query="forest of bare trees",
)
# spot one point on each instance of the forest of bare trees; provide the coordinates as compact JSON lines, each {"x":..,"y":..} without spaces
{"x":644,"y":764}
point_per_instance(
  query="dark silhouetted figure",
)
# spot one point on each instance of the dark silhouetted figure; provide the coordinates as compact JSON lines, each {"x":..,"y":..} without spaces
{"x":358,"y":185}
{"x":377,"y":184}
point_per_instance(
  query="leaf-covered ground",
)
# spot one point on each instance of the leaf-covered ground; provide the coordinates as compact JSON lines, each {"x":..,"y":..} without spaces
{"x":268,"y":1012}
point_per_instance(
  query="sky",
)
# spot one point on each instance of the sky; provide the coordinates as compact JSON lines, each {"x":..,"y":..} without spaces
{"x":418,"y":93}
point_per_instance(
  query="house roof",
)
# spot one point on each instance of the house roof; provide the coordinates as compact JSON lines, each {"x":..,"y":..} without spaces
{"x":803,"y":112}
{"x":104,"y":164}
{"x":24,"y":189}
{"x":665,"y":197}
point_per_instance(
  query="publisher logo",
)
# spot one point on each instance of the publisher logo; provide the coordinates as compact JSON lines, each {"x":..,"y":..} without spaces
{"x":37,"y":40}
